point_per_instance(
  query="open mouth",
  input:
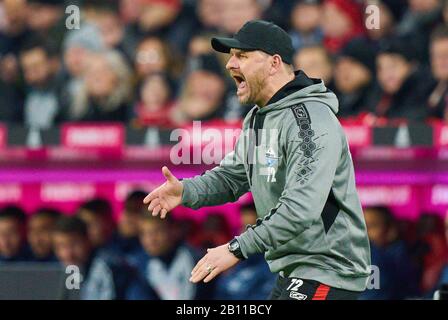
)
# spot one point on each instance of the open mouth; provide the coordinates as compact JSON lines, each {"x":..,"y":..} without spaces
{"x":240,"y":81}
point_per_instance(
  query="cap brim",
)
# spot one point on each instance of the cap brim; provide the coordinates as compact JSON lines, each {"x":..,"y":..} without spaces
{"x":225,"y":44}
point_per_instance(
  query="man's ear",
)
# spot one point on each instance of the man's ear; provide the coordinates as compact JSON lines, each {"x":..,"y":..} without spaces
{"x":276,"y":64}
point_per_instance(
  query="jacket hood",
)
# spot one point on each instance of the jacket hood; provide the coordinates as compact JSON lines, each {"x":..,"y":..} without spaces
{"x":300,"y":90}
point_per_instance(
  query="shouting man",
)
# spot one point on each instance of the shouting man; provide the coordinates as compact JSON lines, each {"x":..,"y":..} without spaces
{"x":296,"y":162}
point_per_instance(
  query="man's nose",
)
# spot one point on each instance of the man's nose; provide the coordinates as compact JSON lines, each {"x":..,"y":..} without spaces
{"x":232,"y":63}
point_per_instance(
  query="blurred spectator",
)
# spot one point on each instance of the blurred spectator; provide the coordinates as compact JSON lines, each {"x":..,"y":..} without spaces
{"x":235,"y":13}
{"x":398,"y":275}
{"x":341,"y":22}
{"x":316,"y":62}
{"x":420,"y":18}
{"x":443,"y":279}
{"x":305,"y":22}
{"x":215,"y":231}
{"x":47,"y":19}
{"x":12,"y":235}
{"x":155,"y":102}
{"x":165,"y":262}
{"x":128,"y":222}
{"x":438,"y":99}
{"x":200,"y":44}
{"x":154,"y":56}
{"x":389,"y":14}
{"x":77,"y":46}
{"x":354,"y":75}
{"x":203,"y":92}
{"x":209,"y":13}
{"x":106,"y":91}
{"x":403,"y":85}
{"x":170,"y":19}
{"x":105,"y":14}
{"x":98,"y":216}
{"x":42,"y":103}
{"x":40,"y":229}
{"x":430,"y":250}
{"x":104,"y":276}
{"x":251,"y":279}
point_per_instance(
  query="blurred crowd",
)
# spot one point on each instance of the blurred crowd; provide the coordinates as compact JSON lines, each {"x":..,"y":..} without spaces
{"x":135,"y":257}
{"x":138,"y":256}
{"x":150,"y":63}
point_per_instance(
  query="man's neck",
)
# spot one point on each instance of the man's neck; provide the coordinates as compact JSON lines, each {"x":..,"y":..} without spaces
{"x":272,"y":88}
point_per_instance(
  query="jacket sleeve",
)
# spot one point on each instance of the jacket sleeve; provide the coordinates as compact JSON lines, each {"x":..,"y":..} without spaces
{"x":224,"y":183}
{"x":312,"y":151}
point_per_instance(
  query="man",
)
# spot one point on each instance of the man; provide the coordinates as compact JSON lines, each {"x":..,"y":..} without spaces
{"x":12,"y":235}
{"x":105,"y":276}
{"x":39,"y":230}
{"x":297,"y":165}
{"x":97,"y":215}
{"x":165,"y":262}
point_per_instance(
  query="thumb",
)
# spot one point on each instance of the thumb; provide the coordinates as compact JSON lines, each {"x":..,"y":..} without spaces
{"x":168,"y":175}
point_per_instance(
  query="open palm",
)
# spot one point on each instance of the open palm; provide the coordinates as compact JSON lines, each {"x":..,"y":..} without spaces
{"x":165,"y":197}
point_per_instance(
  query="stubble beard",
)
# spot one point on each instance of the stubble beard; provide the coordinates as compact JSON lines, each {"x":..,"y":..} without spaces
{"x":255,"y":89}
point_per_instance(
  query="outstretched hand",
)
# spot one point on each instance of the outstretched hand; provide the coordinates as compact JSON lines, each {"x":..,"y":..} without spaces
{"x":166,"y":197}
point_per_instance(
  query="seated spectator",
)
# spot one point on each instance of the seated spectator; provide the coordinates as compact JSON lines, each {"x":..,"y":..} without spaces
{"x":235,"y":13}
{"x":443,"y":279}
{"x":208,"y":13}
{"x":156,"y":102}
{"x":390,"y":12}
{"x":306,"y":18}
{"x":128,"y":222}
{"x":438,"y":99}
{"x":104,"y":276}
{"x":12,"y":235}
{"x":398,"y":275}
{"x":77,"y":46}
{"x":106,"y":92}
{"x":154,"y":56}
{"x":354,"y":77}
{"x":251,"y":279}
{"x":316,"y":62}
{"x":40,"y":228}
{"x":202,"y":96}
{"x":105,"y":14}
{"x":215,"y":231}
{"x":42,"y":109}
{"x":165,"y":262}
{"x":404,"y":86}
{"x":98,"y":216}
{"x":47,"y":19}
{"x":430,"y":250}
{"x":342,"y":21}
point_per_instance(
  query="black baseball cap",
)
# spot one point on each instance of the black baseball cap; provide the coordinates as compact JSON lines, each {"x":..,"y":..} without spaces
{"x":258,"y":35}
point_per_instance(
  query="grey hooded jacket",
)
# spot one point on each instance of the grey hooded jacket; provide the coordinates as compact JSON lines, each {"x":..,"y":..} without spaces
{"x":294,"y":157}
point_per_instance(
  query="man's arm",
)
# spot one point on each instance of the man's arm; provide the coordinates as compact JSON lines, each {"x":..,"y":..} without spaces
{"x":311,"y":166}
{"x":224,"y":183}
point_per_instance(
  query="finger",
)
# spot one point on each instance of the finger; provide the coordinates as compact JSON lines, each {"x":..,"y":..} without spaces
{"x":198,"y":265}
{"x":154,"y":203}
{"x":164,"y":203}
{"x":156,"y":210}
{"x":212,"y":275}
{"x":163,"y":213}
{"x":199,"y":275}
{"x":151,"y":196}
{"x":168,"y":175}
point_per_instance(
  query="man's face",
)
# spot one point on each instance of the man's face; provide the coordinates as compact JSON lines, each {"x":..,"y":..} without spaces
{"x":315,"y":63}
{"x":439,"y":59}
{"x":350,"y":75}
{"x":376,"y":227}
{"x":155,"y":237}
{"x":99,"y":229}
{"x":392,"y":71}
{"x":36,"y":67}
{"x":10,"y":237}
{"x":71,"y":248}
{"x":128,"y":224}
{"x":250,"y":70}
{"x":39,"y":235}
